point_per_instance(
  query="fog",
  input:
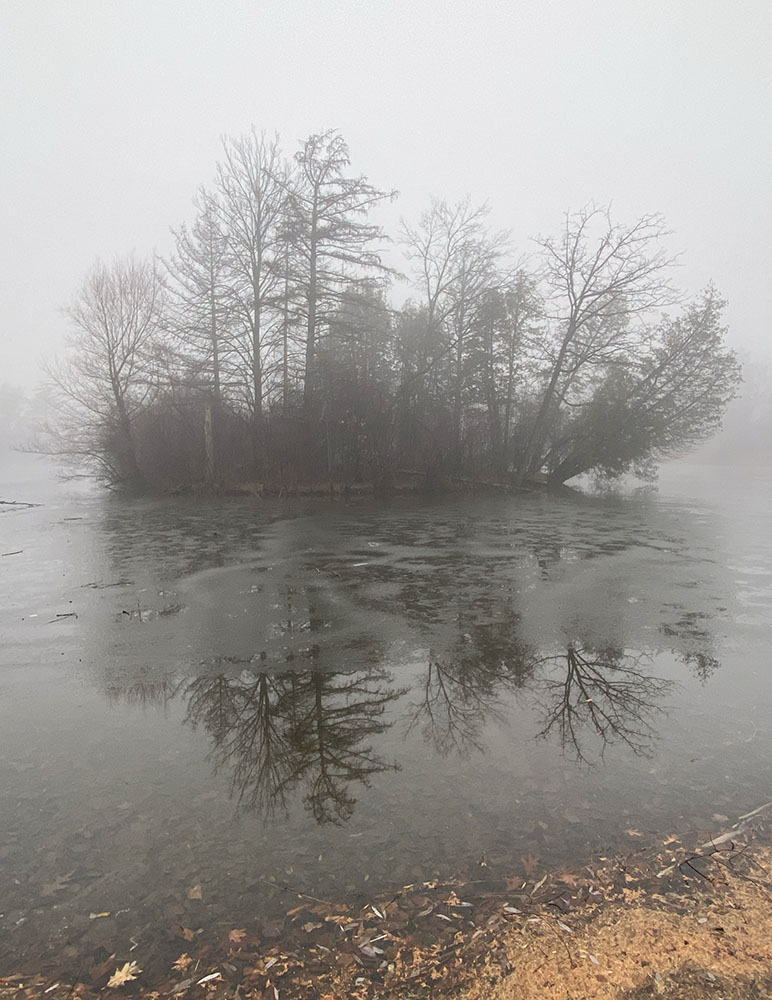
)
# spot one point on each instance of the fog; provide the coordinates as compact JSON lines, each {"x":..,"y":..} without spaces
{"x":319,"y":580}
{"x":112,"y":116}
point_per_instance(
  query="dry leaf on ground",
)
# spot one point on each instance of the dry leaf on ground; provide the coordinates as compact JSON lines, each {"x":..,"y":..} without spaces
{"x":124,"y":975}
{"x":530,"y":863}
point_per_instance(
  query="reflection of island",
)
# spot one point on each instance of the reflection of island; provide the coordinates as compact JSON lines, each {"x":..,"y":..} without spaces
{"x":308,"y":729}
{"x":314,"y":733}
{"x":551,"y":607}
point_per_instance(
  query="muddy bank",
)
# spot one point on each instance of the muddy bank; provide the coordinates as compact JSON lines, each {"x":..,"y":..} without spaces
{"x":404,"y":484}
{"x":665,"y":918}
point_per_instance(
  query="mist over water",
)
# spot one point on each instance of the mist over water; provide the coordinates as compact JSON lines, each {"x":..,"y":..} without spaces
{"x":341,"y":697}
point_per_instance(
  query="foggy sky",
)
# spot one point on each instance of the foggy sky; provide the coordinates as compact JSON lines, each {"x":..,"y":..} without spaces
{"x":112,"y":113}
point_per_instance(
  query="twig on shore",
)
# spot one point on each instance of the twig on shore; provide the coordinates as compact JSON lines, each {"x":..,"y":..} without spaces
{"x":753,"y":812}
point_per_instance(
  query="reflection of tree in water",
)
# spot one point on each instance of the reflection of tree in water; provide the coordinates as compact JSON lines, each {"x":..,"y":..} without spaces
{"x":584,"y":692}
{"x":462,"y":692}
{"x":246,"y":721}
{"x":695,"y":642}
{"x":605,"y":692}
{"x":141,"y":686}
{"x":312,"y":731}
{"x":277,"y":731}
{"x":703,"y":665}
{"x":333,"y":715}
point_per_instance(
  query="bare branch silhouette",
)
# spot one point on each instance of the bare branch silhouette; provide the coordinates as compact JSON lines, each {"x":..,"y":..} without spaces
{"x":605,"y":692}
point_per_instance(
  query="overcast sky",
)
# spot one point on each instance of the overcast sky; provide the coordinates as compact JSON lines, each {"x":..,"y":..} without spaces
{"x":112,"y":113}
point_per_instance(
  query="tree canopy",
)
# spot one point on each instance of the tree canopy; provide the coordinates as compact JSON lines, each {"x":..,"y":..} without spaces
{"x":267,"y":347}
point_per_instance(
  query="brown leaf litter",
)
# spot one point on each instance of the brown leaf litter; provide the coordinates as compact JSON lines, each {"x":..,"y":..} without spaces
{"x":667,"y":919}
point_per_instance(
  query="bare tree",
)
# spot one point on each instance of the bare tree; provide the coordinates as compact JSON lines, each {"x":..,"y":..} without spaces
{"x":201,"y":307}
{"x":658,"y":402}
{"x":600,"y":276}
{"x":251,"y":210}
{"x":456,"y":260}
{"x":106,"y":378}
{"x":334,"y":243}
{"x":507,"y":326}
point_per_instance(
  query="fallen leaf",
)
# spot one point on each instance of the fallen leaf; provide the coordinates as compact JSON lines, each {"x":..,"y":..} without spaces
{"x":530,"y":863}
{"x":186,"y":932}
{"x":209,"y":978}
{"x":310,"y":927}
{"x":633,"y":833}
{"x":569,"y":879}
{"x":124,"y":975}
{"x":237,"y":936}
{"x":182,"y":962}
{"x":59,"y":883}
{"x":670,"y":840}
{"x":195,"y":892}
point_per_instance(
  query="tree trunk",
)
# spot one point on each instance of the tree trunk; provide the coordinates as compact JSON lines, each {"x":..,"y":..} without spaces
{"x":308,"y":385}
{"x":532,"y":458}
{"x":209,"y":444}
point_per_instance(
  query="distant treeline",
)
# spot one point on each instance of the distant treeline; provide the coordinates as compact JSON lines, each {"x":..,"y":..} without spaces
{"x":266,"y":348}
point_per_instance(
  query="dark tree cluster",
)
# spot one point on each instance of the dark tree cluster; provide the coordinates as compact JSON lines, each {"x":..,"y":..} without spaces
{"x":267,"y":348}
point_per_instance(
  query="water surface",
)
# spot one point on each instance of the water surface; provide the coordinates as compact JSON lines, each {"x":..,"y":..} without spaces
{"x":254,"y":699}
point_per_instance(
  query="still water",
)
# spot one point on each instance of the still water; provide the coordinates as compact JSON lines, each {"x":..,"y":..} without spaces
{"x":242,"y":700}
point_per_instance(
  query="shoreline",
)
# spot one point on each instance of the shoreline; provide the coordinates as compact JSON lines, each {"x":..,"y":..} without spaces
{"x":668,"y":915}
